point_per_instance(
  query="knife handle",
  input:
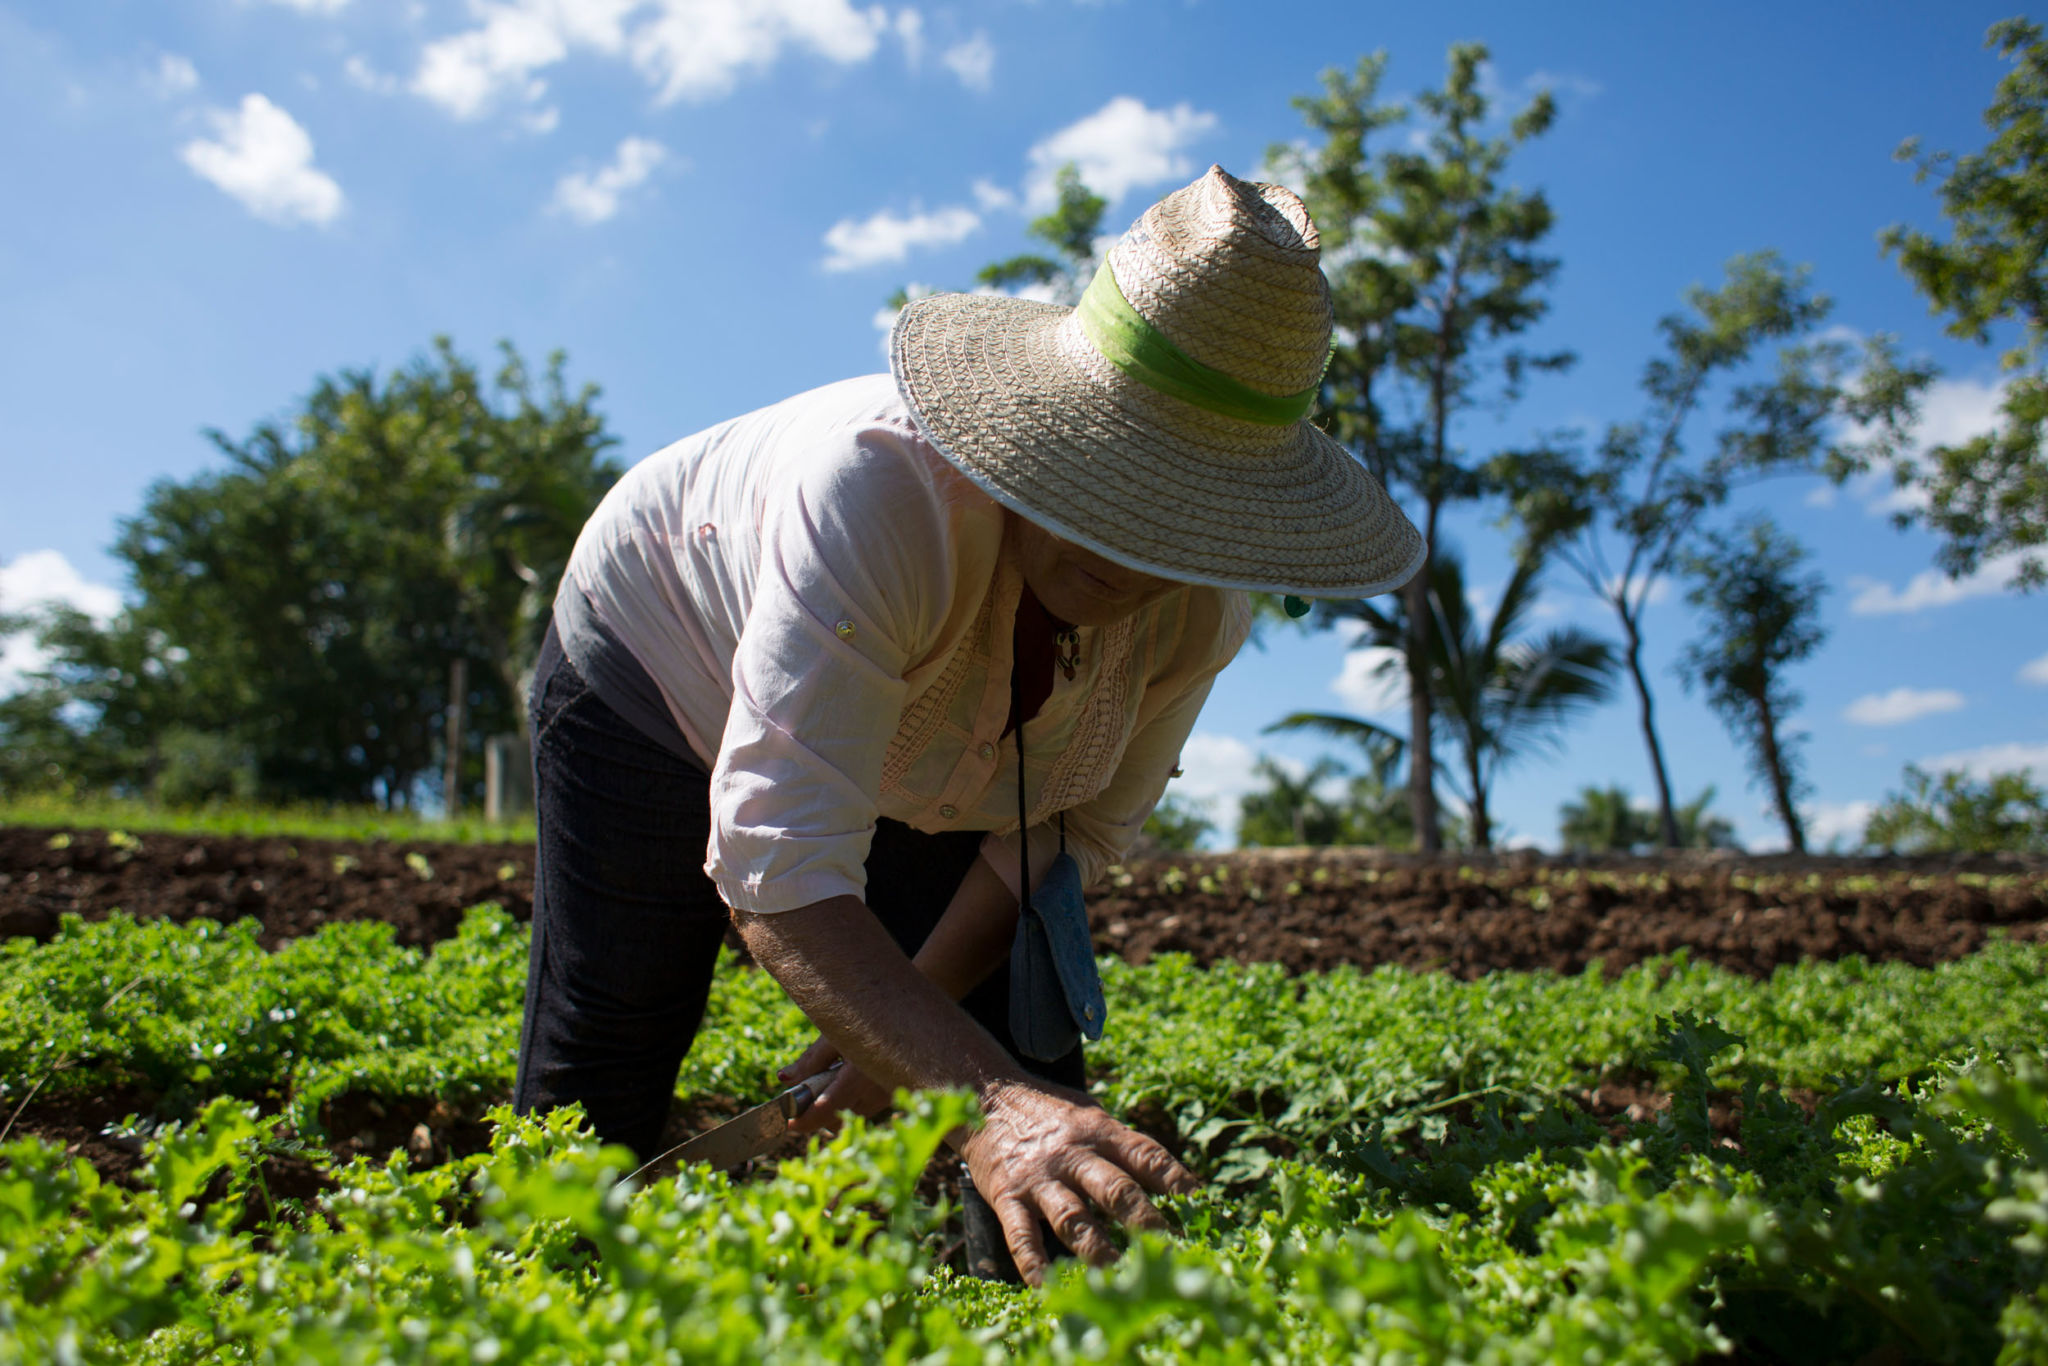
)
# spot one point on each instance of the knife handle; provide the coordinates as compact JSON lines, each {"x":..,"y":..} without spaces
{"x":806,"y":1092}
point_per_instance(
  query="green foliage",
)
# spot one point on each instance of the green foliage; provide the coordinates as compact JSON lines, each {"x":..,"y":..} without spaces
{"x":1955,"y":814}
{"x":235,"y":817}
{"x":1289,"y":810}
{"x":1499,"y":695}
{"x":1607,"y":821}
{"x":1759,"y":615}
{"x":1069,"y":229}
{"x":199,"y":767}
{"x":1621,"y":517}
{"x":1395,"y":1175}
{"x":1989,"y":495}
{"x":305,"y":604}
{"x":1177,"y":824}
{"x":1435,"y":267}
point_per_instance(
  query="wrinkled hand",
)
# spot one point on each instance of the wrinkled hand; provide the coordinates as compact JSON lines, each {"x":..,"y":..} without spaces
{"x":1047,"y":1152}
{"x":849,"y":1092}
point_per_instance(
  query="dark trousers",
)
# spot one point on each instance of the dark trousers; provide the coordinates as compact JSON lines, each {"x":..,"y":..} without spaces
{"x":627,"y":927}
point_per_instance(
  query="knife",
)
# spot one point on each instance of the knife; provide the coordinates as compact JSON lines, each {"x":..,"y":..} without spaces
{"x":756,"y":1131}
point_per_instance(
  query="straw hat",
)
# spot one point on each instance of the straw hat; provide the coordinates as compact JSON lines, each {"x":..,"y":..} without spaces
{"x":1162,"y":422}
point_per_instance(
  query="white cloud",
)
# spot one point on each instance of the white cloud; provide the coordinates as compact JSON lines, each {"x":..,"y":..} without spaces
{"x":1830,"y":822}
{"x":263,"y":160}
{"x":1820,"y":496}
{"x":973,"y":61}
{"x":38,"y":579}
{"x":42,"y":578}
{"x":885,"y":317}
{"x":366,"y":77}
{"x":1932,"y":588}
{"x":697,"y":49}
{"x":1952,"y":411}
{"x":1119,"y":147}
{"x":1373,"y":680}
{"x":1985,"y":760}
{"x":593,"y":197}
{"x":1658,"y":591}
{"x":888,"y":236}
{"x":2035,"y":671}
{"x":1215,"y":768}
{"x":684,"y":49}
{"x":174,"y":76}
{"x":910,"y":32}
{"x":1562,"y":83}
{"x":1901,"y":705}
{"x":1216,"y":772}
{"x":313,"y":6}
{"x":992,"y":197}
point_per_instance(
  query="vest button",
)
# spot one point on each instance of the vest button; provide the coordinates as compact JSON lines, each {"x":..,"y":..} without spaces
{"x":949,"y":812}
{"x":987,"y":751}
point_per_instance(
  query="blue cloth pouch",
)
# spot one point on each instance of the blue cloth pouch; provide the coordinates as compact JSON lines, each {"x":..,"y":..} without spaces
{"x":1055,"y":990}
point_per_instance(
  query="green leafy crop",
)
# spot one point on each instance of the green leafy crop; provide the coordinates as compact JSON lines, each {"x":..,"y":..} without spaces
{"x":1847,"y":1162}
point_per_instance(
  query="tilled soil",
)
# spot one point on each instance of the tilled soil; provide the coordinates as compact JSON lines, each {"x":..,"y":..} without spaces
{"x":290,"y":886}
{"x":1313,"y":910}
{"x":1305,"y":909}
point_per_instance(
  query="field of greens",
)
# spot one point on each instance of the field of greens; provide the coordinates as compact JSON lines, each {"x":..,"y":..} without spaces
{"x":1847,"y":1162}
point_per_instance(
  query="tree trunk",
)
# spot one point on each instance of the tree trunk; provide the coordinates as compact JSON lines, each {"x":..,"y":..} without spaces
{"x":451,"y":766}
{"x":1482,"y":824}
{"x":1421,"y":757}
{"x":1774,"y":765}
{"x":1667,"y":815}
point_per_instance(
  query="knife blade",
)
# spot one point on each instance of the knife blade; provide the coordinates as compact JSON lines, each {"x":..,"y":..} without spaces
{"x":753,"y":1132}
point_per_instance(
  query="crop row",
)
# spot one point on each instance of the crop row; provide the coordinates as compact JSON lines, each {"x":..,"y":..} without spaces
{"x":1842,"y":1159}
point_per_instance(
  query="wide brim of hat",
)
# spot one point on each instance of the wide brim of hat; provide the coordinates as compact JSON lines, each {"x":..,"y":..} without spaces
{"x":1139,"y":477}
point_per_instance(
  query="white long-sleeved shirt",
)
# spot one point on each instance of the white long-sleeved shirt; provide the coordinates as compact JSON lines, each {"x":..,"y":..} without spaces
{"x":827,"y":607}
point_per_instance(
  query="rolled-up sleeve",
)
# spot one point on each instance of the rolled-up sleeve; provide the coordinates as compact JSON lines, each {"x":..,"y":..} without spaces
{"x":854,"y":576}
{"x":1102,"y":829}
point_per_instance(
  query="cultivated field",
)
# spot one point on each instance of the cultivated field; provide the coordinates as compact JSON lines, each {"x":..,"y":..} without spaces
{"x":252,"y":1119}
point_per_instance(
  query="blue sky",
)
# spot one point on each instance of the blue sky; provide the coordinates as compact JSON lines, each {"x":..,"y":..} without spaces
{"x":705,"y":202}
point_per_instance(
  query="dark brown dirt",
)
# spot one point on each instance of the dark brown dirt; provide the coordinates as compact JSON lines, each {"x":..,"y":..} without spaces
{"x":1305,"y":909}
{"x":1313,"y":910}
{"x":291,"y":886}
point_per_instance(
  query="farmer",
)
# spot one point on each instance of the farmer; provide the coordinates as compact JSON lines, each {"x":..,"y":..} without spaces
{"x":796,"y":659}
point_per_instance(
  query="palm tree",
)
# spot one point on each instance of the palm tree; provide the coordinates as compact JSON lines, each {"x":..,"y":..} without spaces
{"x":1605,"y":821}
{"x":1289,"y":810}
{"x":1498,"y":697}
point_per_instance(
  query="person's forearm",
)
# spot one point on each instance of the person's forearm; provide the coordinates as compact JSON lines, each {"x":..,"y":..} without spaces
{"x":973,"y":935}
{"x":884,"y":1015}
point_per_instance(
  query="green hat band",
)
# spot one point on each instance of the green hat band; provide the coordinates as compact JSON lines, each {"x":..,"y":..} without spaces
{"x":1138,"y":349}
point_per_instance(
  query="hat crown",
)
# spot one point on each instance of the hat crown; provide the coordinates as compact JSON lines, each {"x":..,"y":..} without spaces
{"x":1227,"y":270}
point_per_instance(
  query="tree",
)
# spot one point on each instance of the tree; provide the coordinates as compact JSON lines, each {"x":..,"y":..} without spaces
{"x":1603,"y":820}
{"x":95,"y":716}
{"x":2006,"y":812}
{"x":310,"y":602}
{"x":1607,"y":820}
{"x":1433,"y":267}
{"x":1988,"y":496}
{"x":1621,"y":517}
{"x":1176,"y":824}
{"x":1700,"y":828}
{"x":1759,"y":617}
{"x":1289,"y":810}
{"x":1070,"y":228}
{"x":1497,"y":696}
